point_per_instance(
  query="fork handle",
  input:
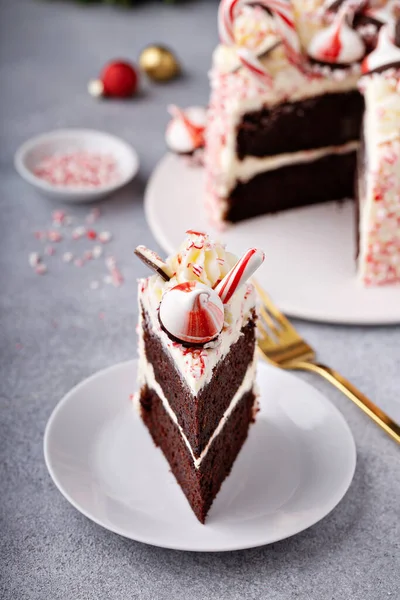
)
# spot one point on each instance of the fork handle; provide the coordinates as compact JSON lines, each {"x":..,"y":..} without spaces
{"x":340,"y":382}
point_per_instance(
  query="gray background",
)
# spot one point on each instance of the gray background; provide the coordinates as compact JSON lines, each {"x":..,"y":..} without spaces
{"x":52,"y":337}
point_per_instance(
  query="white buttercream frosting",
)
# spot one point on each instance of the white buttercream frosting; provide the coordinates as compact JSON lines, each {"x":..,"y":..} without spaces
{"x":379,"y":257}
{"x":198,"y":259}
{"x":244,"y":170}
{"x":147,"y":377}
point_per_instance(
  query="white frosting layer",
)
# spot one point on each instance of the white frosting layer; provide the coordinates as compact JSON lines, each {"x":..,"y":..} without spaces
{"x":198,"y":259}
{"x":244,"y":170}
{"x":146,"y":377}
{"x":379,"y":258}
{"x":234,"y":94}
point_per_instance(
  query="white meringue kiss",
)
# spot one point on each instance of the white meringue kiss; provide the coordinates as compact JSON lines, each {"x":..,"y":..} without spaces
{"x":337,"y":44}
{"x":385,"y":55}
{"x":192,"y":313}
{"x":184,"y":132}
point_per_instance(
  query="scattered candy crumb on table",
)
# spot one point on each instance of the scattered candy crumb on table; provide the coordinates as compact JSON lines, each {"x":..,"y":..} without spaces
{"x":63,"y":232}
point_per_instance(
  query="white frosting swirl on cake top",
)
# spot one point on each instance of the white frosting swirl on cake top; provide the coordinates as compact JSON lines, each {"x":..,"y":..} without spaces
{"x":198,"y":259}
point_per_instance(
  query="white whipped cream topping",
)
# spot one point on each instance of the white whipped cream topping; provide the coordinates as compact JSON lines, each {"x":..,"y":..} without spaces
{"x":198,"y":259}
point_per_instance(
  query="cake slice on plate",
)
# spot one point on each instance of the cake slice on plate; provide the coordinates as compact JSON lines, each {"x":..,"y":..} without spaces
{"x":197,"y":363}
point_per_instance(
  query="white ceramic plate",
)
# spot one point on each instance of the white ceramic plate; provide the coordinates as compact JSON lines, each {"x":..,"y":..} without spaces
{"x":309,"y":269}
{"x":32,"y":152}
{"x":295,"y":466}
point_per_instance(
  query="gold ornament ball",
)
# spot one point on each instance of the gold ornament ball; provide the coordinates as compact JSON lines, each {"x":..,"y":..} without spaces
{"x":159,"y":63}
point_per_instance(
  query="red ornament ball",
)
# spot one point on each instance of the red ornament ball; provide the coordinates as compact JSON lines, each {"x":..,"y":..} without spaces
{"x":119,"y":79}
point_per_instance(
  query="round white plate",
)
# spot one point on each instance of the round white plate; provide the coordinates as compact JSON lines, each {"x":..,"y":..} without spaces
{"x":33,"y":151}
{"x":295,"y":466}
{"x":309,"y":269}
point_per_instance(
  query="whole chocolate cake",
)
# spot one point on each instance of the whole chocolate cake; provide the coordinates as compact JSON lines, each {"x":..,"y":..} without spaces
{"x":197,"y":361}
{"x":291,"y":84}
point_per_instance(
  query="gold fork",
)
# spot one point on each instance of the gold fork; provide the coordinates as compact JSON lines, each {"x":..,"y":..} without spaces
{"x":283,"y":346}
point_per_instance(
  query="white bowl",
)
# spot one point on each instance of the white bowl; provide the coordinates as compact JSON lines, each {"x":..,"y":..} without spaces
{"x":32,"y":152}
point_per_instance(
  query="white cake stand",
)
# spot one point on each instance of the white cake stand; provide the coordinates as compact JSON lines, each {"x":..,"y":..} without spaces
{"x":309,"y":270}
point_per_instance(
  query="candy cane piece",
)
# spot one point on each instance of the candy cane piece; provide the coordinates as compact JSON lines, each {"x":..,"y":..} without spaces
{"x":239,"y":274}
{"x":281,"y":10}
{"x":255,"y":67}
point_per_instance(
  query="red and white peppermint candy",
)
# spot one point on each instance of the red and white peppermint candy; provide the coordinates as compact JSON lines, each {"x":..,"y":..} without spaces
{"x":338,"y":43}
{"x":240,"y":273}
{"x":255,"y":67}
{"x":185,"y":132}
{"x":192,"y":313}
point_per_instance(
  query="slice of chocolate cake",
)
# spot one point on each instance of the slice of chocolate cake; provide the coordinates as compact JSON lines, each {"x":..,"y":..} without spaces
{"x":197,"y":361}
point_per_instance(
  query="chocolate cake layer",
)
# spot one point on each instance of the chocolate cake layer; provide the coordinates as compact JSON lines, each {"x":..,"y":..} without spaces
{"x":200,"y":486}
{"x":329,"y":178}
{"x":318,"y":122}
{"x":199,"y":415}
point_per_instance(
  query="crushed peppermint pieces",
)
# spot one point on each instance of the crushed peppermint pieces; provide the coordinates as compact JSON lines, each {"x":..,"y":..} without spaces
{"x":116,"y":275}
{"x":34,"y":259}
{"x":54,"y":236}
{"x":97,"y":251}
{"x":93,"y":216}
{"x":57,"y":233}
{"x":58,"y":217}
{"x":67,"y":257}
{"x":78,"y":232}
{"x":104,"y":237}
{"x":88,"y":255}
{"x":81,"y":169}
{"x":40,"y":269}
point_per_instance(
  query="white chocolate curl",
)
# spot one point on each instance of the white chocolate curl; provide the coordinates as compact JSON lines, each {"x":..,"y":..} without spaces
{"x":192,"y":313}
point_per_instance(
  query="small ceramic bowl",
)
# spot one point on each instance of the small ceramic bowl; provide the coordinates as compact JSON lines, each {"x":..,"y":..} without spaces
{"x":32,"y":152}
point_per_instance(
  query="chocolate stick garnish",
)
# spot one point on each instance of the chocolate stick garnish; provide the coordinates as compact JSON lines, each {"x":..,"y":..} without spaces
{"x":152,"y":260}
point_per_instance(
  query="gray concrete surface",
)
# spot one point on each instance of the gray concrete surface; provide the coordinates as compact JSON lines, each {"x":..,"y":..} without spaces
{"x":53,"y":336}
